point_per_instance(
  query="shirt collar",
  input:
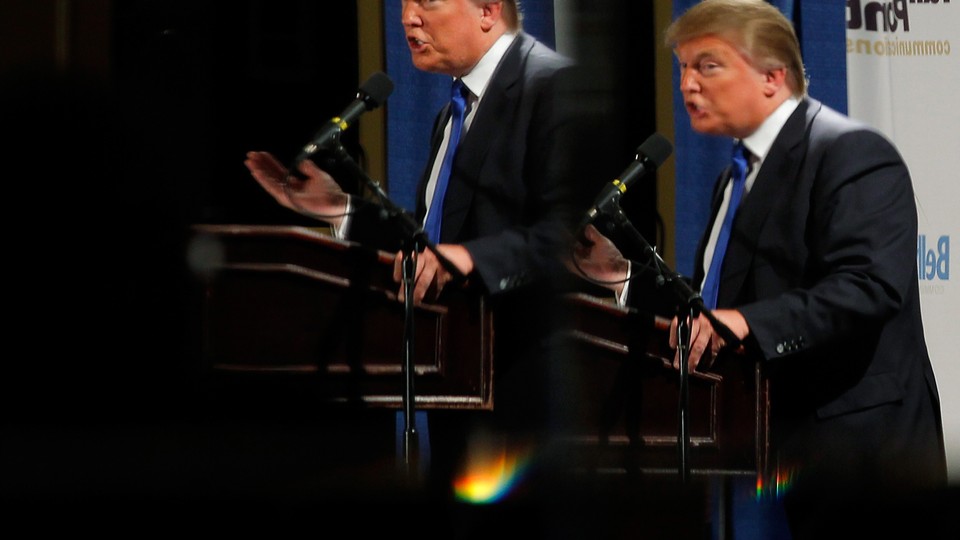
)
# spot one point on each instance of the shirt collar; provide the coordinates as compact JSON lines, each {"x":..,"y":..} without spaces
{"x":476,"y":81}
{"x":760,"y":141}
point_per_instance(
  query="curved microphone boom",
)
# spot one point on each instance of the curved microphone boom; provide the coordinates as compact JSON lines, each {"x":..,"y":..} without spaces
{"x":650,"y":155}
{"x":372,"y":93}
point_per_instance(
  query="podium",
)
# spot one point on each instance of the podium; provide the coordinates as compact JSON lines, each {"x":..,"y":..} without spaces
{"x":294,"y":301}
{"x":281,"y":300}
{"x":632,"y":423}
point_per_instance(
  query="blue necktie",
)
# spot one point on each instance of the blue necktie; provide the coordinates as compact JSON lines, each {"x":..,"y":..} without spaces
{"x":739,"y":176}
{"x":458,"y":106}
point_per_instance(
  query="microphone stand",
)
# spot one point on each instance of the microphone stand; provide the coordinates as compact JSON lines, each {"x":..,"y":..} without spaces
{"x":416,"y":241}
{"x":690,"y":304}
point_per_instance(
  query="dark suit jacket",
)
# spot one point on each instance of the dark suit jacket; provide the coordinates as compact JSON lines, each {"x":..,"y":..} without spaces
{"x":510,"y":203}
{"x":822,"y":264}
{"x":509,"y":196}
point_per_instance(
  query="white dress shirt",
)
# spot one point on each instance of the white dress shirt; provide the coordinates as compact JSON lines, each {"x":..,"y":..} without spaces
{"x":476,"y":83}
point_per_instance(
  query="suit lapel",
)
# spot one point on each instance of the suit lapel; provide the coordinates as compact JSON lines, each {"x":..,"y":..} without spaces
{"x":488,"y":123}
{"x":716,"y":198}
{"x":435,"y":139}
{"x":779,"y":169}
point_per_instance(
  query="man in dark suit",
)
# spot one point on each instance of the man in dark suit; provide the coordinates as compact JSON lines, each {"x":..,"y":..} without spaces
{"x":506,"y":207}
{"x":506,"y":212}
{"x":818,"y":281}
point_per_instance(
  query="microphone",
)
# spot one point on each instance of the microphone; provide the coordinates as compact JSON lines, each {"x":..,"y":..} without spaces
{"x":372,"y":93}
{"x":650,"y":155}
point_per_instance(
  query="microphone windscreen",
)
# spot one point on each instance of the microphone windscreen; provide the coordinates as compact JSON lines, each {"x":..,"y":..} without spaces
{"x":377,"y":88}
{"x":656,"y":148}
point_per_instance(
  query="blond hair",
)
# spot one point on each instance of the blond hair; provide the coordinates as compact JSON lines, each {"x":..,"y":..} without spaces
{"x":761,"y":32}
{"x":513,"y":14}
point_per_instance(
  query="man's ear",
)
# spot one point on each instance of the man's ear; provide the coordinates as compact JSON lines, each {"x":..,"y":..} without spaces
{"x":490,"y":14}
{"x":774,"y":80}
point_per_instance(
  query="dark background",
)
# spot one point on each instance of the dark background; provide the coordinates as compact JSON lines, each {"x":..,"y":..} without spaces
{"x":103,"y":398}
{"x":112,"y":168}
{"x":107,"y":172}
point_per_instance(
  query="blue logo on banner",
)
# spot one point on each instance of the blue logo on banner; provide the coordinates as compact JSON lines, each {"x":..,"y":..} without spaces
{"x":883,"y":16}
{"x":933,"y":262}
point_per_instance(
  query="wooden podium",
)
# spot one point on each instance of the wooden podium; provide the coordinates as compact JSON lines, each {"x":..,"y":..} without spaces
{"x":294,"y":300}
{"x":630,"y":422}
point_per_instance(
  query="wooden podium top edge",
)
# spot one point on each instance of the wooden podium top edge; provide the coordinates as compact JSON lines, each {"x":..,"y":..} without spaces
{"x":320,"y":235}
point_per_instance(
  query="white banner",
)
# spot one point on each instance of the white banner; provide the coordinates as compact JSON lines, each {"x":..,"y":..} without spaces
{"x":902,"y":74}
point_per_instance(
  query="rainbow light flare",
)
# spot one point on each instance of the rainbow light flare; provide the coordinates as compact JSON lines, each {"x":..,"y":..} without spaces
{"x":489,"y":479}
{"x":776,"y":486}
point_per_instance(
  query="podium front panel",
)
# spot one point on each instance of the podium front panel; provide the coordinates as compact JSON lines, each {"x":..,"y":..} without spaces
{"x":297,"y":303}
{"x":291,"y":300}
{"x":628,"y":412}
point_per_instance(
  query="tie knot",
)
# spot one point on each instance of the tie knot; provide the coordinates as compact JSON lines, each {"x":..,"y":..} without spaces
{"x":458,"y":91}
{"x":741,"y":159}
{"x":740,"y":151}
